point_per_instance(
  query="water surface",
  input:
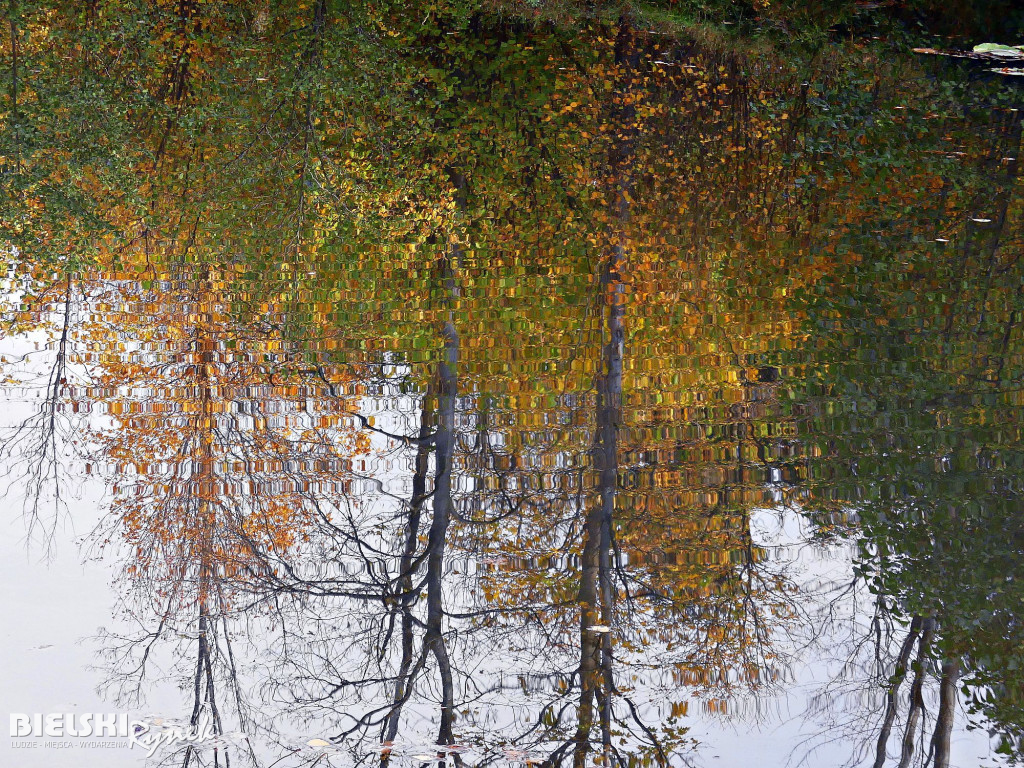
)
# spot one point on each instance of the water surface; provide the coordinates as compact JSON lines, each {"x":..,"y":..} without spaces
{"x":487,"y":399}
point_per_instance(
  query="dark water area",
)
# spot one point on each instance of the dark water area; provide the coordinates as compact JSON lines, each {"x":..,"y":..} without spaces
{"x":461,"y":390}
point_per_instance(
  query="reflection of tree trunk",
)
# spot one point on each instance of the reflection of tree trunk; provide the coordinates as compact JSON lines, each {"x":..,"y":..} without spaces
{"x":445,"y":389}
{"x":947,"y":704}
{"x":204,"y":687}
{"x":899,"y":674}
{"x":203,"y":489}
{"x":1004,"y":193}
{"x":596,"y":591}
{"x":403,"y":682}
{"x":592,"y":643}
{"x":916,"y":696}
{"x":444,"y":443}
{"x":982,"y":239}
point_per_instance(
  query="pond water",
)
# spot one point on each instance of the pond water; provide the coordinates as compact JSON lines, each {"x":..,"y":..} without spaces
{"x":491,"y":395}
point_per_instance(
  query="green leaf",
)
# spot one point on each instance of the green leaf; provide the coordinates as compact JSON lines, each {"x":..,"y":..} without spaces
{"x":1000,"y":50}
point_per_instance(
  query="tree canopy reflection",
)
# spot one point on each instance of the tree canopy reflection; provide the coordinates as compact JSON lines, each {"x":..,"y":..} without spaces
{"x":440,"y":370}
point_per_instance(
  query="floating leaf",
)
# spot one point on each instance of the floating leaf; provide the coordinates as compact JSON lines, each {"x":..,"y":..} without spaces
{"x":1013,"y":51}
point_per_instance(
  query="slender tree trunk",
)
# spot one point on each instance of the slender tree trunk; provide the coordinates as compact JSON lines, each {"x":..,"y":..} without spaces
{"x":947,"y":705}
{"x":444,"y":444}
{"x":899,"y":674}
{"x":596,"y":595}
{"x":916,"y":693}
{"x":406,"y":577}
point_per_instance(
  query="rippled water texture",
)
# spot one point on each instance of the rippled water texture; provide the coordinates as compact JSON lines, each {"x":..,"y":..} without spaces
{"x":392,"y":391}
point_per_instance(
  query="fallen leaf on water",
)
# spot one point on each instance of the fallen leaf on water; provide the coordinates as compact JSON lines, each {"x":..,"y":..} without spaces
{"x":1010,"y":51}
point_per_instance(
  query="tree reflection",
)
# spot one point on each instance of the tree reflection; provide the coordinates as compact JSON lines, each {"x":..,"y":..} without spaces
{"x":933,"y":472}
{"x":34,"y":454}
{"x":466,"y":430}
{"x":221,"y":438}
